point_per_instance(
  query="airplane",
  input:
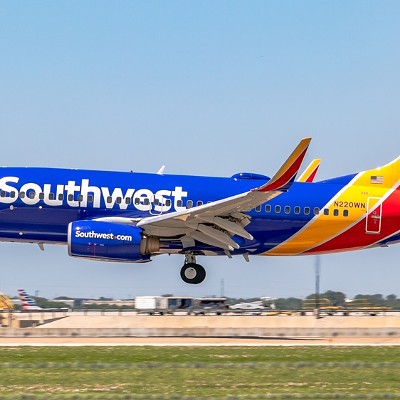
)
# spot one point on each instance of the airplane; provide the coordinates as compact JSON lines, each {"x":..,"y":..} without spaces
{"x":131,"y":217}
{"x":254,"y":305}
{"x":27,"y":302}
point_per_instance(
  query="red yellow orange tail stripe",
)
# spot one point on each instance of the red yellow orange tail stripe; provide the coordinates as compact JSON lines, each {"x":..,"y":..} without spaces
{"x":367,"y":236}
{"x":309,"y":173}
{"x":323,"y":228}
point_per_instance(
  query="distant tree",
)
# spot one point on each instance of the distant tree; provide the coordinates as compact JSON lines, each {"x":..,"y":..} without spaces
{"x":372,"y":299}
{"x":40,"y":301}
{"x":391,"y":300}
{"x":335,"y":298}
{"x":44,"y":303}
{"x":290,"y":303}
{"x":55,"y":304}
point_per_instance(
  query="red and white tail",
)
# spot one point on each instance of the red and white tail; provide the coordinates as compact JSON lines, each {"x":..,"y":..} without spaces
{"x":27,"y":302}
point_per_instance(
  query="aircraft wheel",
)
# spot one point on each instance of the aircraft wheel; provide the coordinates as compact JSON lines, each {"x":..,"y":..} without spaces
{"x":193,"y":273}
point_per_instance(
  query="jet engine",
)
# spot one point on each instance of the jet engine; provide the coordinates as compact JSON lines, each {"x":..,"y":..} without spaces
{"x":100,"y":240}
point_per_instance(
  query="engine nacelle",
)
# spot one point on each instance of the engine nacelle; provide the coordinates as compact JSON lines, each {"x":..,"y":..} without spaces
{"x":110,"y":242}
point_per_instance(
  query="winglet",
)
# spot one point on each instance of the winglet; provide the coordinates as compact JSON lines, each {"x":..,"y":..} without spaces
{"x":309,"y":173}
{"x":161,"y":170}
{"x":288,"y":171}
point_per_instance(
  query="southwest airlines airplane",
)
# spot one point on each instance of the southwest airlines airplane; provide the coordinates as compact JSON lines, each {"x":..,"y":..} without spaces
{"x":130,"y":217}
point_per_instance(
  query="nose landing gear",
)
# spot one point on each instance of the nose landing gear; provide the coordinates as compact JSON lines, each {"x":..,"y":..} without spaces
{"x":191,"y":272}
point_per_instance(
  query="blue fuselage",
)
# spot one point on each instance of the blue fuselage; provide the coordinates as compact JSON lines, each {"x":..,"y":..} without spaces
{"x":37,"y":204}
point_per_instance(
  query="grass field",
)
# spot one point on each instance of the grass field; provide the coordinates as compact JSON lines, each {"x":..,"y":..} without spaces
{"x":203,"y":372}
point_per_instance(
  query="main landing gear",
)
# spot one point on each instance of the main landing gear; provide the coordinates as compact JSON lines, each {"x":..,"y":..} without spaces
{"x":191,"y":272}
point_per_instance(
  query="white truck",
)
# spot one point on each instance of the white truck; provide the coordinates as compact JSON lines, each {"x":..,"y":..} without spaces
{"x":163,"y":304}
{"x":147,"y":302}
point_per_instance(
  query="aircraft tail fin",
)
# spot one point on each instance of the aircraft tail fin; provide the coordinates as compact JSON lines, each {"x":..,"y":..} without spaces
{"x":27,"y":302}
{"x":286,"y":174}
{"x":309,"y":173}
{"x":386,"y":176}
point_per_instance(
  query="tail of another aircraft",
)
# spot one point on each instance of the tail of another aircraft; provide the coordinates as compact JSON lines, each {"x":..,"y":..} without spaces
{"x":27,"y":302}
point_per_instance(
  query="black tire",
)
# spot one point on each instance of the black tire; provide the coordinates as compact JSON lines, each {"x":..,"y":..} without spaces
{"x":193,"y":273}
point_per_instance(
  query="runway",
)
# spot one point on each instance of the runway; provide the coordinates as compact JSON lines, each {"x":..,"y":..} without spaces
{"x":200,"y":342}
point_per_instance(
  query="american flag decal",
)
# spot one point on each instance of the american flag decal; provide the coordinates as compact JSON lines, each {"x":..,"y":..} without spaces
{"x":376,"y":179}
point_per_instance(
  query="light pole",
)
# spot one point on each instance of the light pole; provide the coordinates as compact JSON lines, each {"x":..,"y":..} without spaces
{"x":317,"y":278}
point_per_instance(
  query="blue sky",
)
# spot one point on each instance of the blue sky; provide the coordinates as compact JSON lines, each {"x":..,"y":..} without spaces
{"x":206,"y":88}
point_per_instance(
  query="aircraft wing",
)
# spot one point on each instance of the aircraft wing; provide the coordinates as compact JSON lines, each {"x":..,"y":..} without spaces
{"x":215,"y":223}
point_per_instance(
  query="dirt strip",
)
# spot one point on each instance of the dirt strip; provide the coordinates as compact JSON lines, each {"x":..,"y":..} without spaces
{"x":187,"y":341}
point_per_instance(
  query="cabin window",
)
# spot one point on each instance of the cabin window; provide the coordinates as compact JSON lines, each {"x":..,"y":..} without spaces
{"x":335,"y":212}
{"x":316,"y":210}
{"x":80,"y":197}
{"x":189,"y":204}
{"x":199,"y":203}
{"x":345,"y":213}
{"x":156,"y":202}
{"x":168,"y":202}
{"x":287,"y":209}
{"x":137,"y":200}
{"x":297,"y":210}
{"x":146,"y":201}
{"x":52,"y":196}
{"x":61,"y":197}
{"x":41,"y":196}
{"x":90,"y":198}
{"x":277,"y":209}
{"x":128,"y":200}
{"x":119,"y":200}
{"x":109,"y":199}
{"x":307,"y":210}
{"x":179,"y":203}
{"x":70,"y":197}
{"x":268,"y":208}
{"x":22,"y":195}
{"x":3,"y":193}
{"x":31,"y":194}
{"x":258,"y":208}
{"x":326,"y":211}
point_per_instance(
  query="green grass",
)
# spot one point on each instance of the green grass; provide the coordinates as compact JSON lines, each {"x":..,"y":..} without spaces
{"x":202,"y":372}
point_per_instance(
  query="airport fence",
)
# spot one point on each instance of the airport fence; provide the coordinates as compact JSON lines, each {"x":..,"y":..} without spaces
{"x":201,"y":312}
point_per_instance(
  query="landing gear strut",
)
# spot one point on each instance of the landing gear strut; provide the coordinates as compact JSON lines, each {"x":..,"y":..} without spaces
{"x":191,"y":272}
